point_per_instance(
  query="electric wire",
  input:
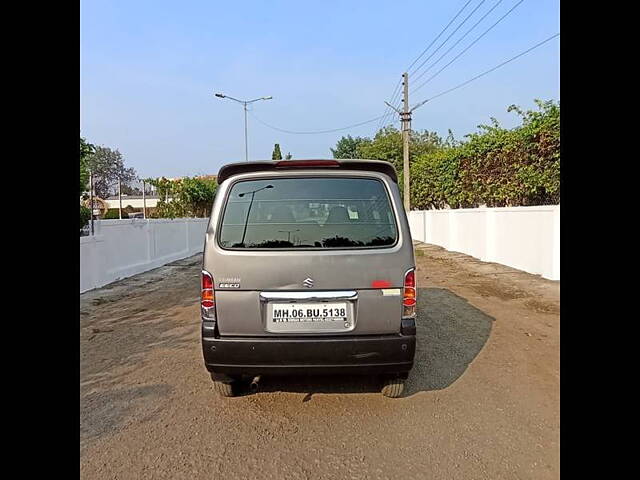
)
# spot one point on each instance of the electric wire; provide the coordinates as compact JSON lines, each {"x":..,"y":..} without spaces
{"x":457,"y":42}
{"x":450,"y":35}
{"x":313,"y":132}
{"x":467,"y":48}
{"x":493,"y":69}
{"x":460,"y":85}
{"x":396,"y":92}
{"x":387,"y":109}
{"x":434,"y":40}
{"x":395,"y":95}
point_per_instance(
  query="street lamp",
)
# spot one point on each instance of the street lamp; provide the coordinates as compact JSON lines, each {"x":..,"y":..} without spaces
{"x":244,"y":103}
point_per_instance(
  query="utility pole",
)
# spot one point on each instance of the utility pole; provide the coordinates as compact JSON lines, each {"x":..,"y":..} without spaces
{"x":120,"y":197}
{"x":144,"y":200}
{"x":405,"y":117}
{"x":91,"y":199}
{"x":406,"y":128}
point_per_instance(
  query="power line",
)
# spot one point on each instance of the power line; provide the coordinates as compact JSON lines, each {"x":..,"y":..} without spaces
{"x":395,"y":101}
{"x":493,"y":69}
{"x":391,"y":100}
{"x":450,"y":35}
{"x":427,"y":100}
{"x":467,"y":48}
{"x":397,"y":90}
{"x":457,"y":41}
{"x":313,"y":132}
{"x":389,"y":111}
{"x":434,"y":40}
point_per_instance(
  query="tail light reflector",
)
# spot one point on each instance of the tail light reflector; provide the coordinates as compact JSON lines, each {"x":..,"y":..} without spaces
{"x":409,"y":295}
{"x":207,"y":297}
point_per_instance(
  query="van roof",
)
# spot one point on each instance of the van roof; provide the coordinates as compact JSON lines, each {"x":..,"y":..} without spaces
{"x":232,"y":169}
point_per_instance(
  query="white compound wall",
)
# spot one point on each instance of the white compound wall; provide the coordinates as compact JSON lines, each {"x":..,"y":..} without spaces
{"x":122,"y":248}
{"x":526,"y":238}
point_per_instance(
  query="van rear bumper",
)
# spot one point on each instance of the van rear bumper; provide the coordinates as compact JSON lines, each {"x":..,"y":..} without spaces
{"x":309,"y":355}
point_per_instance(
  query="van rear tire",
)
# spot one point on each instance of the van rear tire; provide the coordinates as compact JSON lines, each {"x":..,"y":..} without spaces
{"x":224,"y":389}
{"x":393,"y":387}
{"x":225,"y":385}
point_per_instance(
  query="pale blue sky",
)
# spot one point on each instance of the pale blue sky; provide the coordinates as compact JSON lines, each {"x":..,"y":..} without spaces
{"x":149,"y":70}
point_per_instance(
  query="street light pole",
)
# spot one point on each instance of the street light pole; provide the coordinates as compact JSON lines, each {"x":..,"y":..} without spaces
{"x":91,"y":198}
{"x":120,"y":198}
{"x":144,"y":200}
{"x":246,"y":145}
{"x":244,"y":104}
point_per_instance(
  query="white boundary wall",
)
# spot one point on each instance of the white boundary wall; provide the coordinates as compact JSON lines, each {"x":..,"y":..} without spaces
{"x":526,"y":238}
{"x":122,"y":248}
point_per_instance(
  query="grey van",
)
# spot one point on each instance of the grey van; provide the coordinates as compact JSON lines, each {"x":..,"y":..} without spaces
{"x":308,"y":268}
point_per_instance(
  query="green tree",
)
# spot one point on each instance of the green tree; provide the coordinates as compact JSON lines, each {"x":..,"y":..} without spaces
{"x":186,"y":197}
{"x":387,"y":145}
{"x":198,"y":194}
{"x":86,"y":149}
{"x":348,"y":147}
{"x":107,"y":166}
{"x":288,"y":156}
{"x":276,"y":155}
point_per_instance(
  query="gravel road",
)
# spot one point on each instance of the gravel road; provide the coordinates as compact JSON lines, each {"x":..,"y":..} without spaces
{"x":482,"y":401}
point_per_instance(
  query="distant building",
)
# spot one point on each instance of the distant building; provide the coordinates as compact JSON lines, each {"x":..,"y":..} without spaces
{"x":206,"y":177}
{"x":134,"y":200}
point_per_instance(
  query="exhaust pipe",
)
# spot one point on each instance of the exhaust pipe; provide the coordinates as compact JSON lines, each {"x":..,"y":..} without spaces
{"x":253,"y":386}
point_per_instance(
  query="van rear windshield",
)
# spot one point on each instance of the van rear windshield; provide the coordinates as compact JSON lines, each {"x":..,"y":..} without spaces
{"x":317,"y":213}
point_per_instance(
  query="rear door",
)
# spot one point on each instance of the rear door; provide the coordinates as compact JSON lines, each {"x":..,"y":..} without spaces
{"x":309,"y":254}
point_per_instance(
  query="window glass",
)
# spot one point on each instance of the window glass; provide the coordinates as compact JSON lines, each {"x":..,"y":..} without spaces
{"x":318,"y":213}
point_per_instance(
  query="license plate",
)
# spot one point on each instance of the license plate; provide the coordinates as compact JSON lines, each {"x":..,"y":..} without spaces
{"x":335,"y":316}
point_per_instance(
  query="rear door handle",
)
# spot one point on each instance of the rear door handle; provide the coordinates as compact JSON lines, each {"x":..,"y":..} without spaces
{"x":307,"y":296}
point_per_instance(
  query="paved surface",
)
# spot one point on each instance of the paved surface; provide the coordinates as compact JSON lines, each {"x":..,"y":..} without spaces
{"x":481,"y":403}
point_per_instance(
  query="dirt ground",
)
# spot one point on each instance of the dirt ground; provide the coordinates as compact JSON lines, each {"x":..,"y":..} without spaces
{"x":482,"y":401}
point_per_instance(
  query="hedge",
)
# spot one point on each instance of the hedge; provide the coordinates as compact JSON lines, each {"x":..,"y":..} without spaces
{"x":495,"y":166}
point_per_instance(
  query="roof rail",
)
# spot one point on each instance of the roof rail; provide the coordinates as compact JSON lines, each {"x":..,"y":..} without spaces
{"x":238,"y":168}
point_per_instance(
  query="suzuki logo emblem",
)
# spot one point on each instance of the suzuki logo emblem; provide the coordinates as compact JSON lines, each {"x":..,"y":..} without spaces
{"x":308,"y":282}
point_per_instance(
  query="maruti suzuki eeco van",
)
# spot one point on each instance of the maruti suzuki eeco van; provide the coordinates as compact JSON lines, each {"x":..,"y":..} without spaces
{"x":308,"y":268}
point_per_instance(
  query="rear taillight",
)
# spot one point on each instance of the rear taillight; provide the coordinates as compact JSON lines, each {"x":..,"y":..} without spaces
{"x":409,"y":295}
{"x":207,"y":297}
